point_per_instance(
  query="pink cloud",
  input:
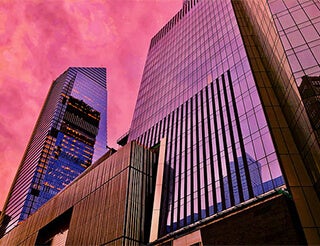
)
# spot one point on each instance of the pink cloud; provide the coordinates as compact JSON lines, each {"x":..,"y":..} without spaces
{"x":40,"y":40}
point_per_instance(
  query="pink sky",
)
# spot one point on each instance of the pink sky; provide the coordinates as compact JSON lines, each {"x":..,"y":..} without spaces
{"x":40,"y":39}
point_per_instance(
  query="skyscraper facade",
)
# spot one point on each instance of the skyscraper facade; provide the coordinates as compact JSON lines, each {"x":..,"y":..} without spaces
{"x":290,"y":41}
{"x":70,"y":133}
{"x":310,"y":94}
{"x":219,"y":88}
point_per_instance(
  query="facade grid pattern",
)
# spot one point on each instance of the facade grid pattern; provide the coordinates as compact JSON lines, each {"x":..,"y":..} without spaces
{"x":199,"y":92}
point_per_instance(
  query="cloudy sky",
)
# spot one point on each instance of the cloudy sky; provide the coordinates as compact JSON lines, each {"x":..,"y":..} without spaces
{"x":40,"y":39}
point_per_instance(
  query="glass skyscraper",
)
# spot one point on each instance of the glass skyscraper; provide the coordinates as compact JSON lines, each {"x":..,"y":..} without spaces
{"x":219,"y":90}
{"x":69,"y":135}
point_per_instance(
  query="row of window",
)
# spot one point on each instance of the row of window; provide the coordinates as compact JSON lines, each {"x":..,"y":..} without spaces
{"x":212,"y":153}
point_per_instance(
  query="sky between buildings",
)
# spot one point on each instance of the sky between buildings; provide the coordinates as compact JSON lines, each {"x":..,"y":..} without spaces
{"x":39,"y":40}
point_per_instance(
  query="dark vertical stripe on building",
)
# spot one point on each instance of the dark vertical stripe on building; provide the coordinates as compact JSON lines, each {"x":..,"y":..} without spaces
{"x":180,"y":167}
{"x":164,"y":127}
{"x":155,"y":135}
{"x":223,"y":200}
{"x":171,"y":173}
{"x":243,"y":152}
{"x":191,"y":160}
{"x":204,"y":156}
{"x":151,"y":137}
{"x":234,"y":151}
{"x":143,"y":139}
{"x":198,"y":158}
{"x":159,"y":134}
{"x":143,"y":193}
{"x":127,"y":192}
{"x":147,"y":137}
{"x":185,"y":212}
{"x":225,"y":146}
{"x":174,"y":166}
{"x":211,"y":154}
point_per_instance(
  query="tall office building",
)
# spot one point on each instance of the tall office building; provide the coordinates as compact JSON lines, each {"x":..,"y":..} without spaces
{"x":220,"y":89}
{"x":70,"y":133}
